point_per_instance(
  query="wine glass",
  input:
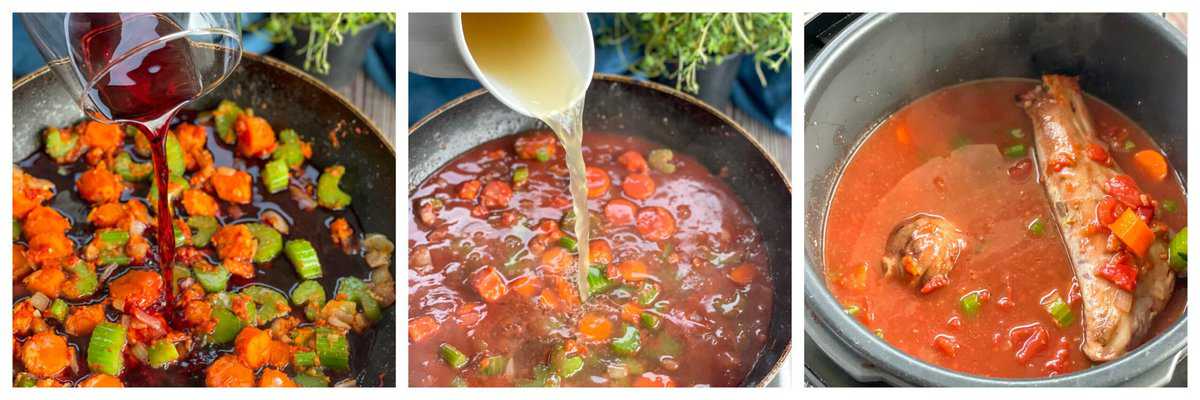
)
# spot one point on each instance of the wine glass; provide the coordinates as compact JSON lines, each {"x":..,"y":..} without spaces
{"x":137,"y":68}
{"x":140,"y":69}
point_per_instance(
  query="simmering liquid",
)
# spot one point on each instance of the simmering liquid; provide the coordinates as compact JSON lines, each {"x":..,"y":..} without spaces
{"x":520,"y":53}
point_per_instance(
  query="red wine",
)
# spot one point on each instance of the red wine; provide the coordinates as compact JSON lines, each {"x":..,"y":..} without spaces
{"x":135,"y":77}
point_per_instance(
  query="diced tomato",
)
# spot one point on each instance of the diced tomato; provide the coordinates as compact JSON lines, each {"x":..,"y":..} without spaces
{"x":631,"y":312}
{"x":634,"y":162}
{"x":526,"y":285}
{"x":651,"y":379}
{"x":655,"y":223}
{"x":421,"y":328}
{"x":489,"y":284}
{"x":934,"y":283}
{"x":496,"y":195}
{"x":743,"y":274}
{"x":1108,"y":209}
{"x":597,"y":182}
{"x":638,"y":186}
{"x":1032,"y":339}
{"x":469,"y":189}
{"x":620,"y":212}
{"x":1097,"y":153}
{"x":1145,"y":213}
{"x":1062,"y":359}
{"x":1021,"y":170}
{"x":1120,"y":271}
{"x":1124,"y":189}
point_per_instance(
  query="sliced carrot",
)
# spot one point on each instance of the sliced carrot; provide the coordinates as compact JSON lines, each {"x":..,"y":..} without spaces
{"x":597,"y":182}
{"x":638,"y":186}
{"x":101,"y":380}
{"x":595,"y":327}
{"x":620,"y":212}
{"x":631,"y":312}
{"x":1152,"y":163}
{"x":557,"y":260}
{"x":651,"y":379}
{"x":45,"y":354}
{"x":252,"y":347}
{"x":599,"y":252}
{"x":526,"y":285}
{"x":743,"y":274}
{"x":1133,"y":232}
{"x":655,"y":223}
{"x":421,"y":328}
{"x":227,"y":371}
{"x":489,"y":284}
{"x":632,"y":270}
{"x":274,"y":378}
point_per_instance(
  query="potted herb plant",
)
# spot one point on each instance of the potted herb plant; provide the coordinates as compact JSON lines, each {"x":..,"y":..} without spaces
{"x":331,"y":46}
{"x":700,"y":52}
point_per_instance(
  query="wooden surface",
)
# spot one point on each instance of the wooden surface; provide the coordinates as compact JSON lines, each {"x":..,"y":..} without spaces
{"x":378,"y":105}
{"x":775,"y":142}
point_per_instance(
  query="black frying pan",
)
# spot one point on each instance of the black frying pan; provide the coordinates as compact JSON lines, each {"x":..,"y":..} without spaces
{"x":285,"y":96}
{"x":622,"y":105}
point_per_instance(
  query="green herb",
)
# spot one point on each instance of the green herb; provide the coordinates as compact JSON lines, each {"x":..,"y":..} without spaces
{"x":1170,"y":206}
{"x":456,"y":359}
{"x":1015,"y":151}
{"x":677,"y":45}
{"x":853,"y":310}
{"x":1060,"y":311}
{"x":1129,"y":145}
{"x":1037,"y":227}
{"x":324,"y":30}
{"x":1178,"y":251}
{"x":970,"y":304}
{"x":1016,"y":133}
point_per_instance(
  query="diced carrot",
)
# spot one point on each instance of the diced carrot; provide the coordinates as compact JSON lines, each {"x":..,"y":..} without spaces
{"x":421,"y":328}
{"x":599,"y":252}
{"x":1152,"y":163}
{"x":47,"y":281}
{"x":469,"y":189}
{"x":99,"y":185}
{"x":597,"y":182}
{"x":631,"y":312}
{"x":232,"y":185}
{"x":107,"y":215}
{"x":136,"y":289}
{"x":557,"y":260}
{"x":634,"y":162}
{"x":274,"y":378}
{"x":595,"y":327}
{"x":101,"y":380}
{"x":527,"y":285}
{"x":105,"y":137}
{"x":83,"y":319}
{"x":1133,"y":232}
{"x":651,"y":379}
{"x":235,"y":242}
{"x":489,"y":284}
{"x":632,"y":270}
{"x":655,"y":223}
{"x":279,"y":354}
{"x":29,"y":192}
{"x":227,"y":371}
{"x":743,"y":274}
{"x":49,"y":249}
{"x":638,"y":186}
{"x":198,"y":203}
{"x":45,"y":354}
{"x":256,"y":139}
{"x":42,"y":220}
{"x":620,"y":212}
{"x":252,"y":346}
{"x":24,"y":318}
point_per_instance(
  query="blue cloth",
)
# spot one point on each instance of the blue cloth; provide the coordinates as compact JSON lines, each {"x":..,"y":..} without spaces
{"x":380,"y":63}
{"x":770,"y":105}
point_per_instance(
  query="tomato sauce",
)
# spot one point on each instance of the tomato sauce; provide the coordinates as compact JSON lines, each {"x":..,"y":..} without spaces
{"x":965,"y":153}
{"x":493,"y":284}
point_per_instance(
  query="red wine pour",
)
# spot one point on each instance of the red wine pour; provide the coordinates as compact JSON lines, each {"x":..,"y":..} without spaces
{"x":135,"y":77}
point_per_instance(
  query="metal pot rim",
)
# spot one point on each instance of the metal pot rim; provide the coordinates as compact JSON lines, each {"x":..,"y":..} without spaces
{"x":825,"y":313}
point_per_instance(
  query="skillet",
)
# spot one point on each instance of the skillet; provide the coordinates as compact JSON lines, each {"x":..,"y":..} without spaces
{"x":286,"y":97}
{"x":626,"y":106}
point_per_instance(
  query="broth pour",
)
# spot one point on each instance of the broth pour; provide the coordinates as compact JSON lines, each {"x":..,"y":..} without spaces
{"x":145,"y":88}
{"x":537,"y":71}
